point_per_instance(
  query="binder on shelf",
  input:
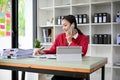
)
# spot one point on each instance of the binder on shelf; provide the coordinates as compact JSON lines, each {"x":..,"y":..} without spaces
{"x":84,"y":18}
{"x":100,"y":18}
{"x":106,"y":39}
{"x":80,"y":19}
{"x":106,"y":17}
{"x":59,"y":20}
{"x":109,"y":38}
{"x":77,"y":18}
{"x":100,"y":39}
{"x":95,"y":39}
{"x":95,"y":20}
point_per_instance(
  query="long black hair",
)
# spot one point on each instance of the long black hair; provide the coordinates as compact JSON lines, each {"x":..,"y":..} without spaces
{"x":71,"y":19}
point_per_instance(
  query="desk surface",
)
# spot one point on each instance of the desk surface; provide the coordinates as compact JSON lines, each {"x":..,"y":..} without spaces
{"x":87,"y":65}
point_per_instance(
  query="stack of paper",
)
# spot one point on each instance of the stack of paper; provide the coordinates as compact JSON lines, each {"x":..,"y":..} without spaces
{"x":23,"y":53}
{"x":17,"y":53}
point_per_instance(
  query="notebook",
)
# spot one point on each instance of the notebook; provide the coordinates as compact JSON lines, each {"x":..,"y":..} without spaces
{"x":69,"y":53}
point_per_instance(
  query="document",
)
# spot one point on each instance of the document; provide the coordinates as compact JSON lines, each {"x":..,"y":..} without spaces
{"x":49,"y":56}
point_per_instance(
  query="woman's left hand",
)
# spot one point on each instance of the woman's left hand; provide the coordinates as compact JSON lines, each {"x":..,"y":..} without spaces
{"x":69,"y":37}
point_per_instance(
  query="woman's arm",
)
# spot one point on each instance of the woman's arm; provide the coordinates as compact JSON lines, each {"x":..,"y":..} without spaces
{"x":52,"y":50}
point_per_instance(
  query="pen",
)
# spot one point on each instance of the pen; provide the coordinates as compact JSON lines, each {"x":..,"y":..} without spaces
{"x":42,"y":48}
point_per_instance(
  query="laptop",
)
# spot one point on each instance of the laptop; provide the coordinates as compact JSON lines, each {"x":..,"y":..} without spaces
{"x":69,"y":53}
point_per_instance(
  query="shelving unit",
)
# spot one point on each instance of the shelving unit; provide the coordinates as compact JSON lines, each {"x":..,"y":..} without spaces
{"x":48,"y":12}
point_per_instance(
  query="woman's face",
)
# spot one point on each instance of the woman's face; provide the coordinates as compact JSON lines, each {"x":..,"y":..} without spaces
{"x":65,"y":25}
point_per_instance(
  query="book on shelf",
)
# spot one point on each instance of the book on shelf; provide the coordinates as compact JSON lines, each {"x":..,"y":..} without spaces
{"x":47,"y":35}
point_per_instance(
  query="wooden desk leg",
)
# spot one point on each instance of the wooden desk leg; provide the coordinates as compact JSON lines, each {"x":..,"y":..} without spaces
{"x":103,"y":73}
{"x":14,"y":75}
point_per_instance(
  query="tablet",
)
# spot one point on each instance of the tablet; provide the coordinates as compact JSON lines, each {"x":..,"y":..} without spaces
{"x":69,"y":53}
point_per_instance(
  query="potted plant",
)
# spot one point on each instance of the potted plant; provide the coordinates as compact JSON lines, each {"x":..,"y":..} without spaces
{"x":37,"y":45}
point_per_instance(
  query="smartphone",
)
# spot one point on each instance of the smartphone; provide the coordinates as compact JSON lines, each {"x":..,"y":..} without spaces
{"x":71,"y":29}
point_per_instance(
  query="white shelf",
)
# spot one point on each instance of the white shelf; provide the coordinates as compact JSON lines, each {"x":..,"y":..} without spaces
{"x":115,"y":23}
{"x":81,"y":4}
{"x":116,"y":67}
{"x":87,"y":24}
{"x":56,"y":8}
{"x":116,"y":45}
{"x":46,"y":8}
{"x":101,"y":45}
{"x":63,"y":6}
{"x":42,"y":26}
{"x":101,"y":24}
{"x":58,"y":25}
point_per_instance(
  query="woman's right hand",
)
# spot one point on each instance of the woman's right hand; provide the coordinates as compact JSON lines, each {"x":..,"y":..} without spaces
{"x":38,"y":52}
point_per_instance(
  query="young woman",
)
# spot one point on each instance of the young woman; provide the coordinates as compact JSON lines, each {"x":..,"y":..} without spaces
{"x":76,"y":38}
{"x":73,"y":38}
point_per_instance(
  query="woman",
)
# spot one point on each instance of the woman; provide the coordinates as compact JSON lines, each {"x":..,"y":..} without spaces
{"x":74,"y":38}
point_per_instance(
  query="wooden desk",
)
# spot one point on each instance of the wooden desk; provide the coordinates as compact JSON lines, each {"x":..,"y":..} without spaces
{"x":50,"y":66}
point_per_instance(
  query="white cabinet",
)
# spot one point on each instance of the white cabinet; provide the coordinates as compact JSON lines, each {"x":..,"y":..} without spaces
{"x":49,"y":11}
